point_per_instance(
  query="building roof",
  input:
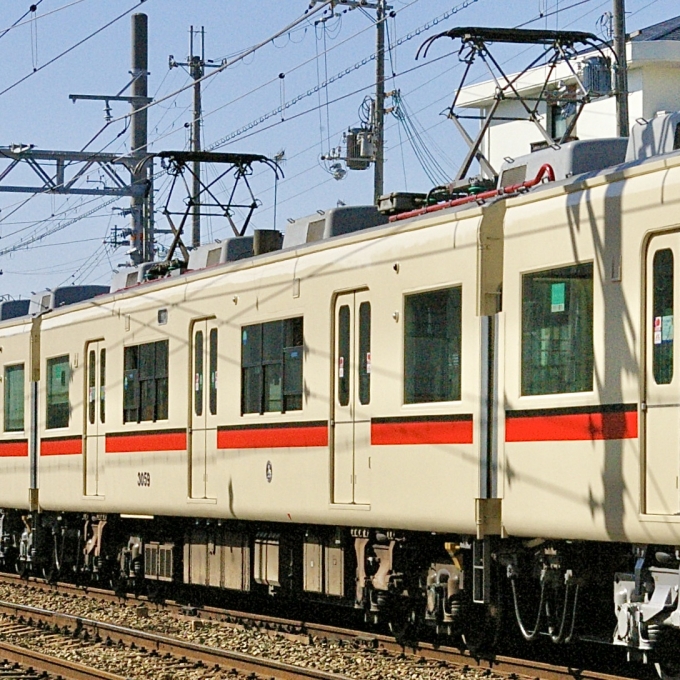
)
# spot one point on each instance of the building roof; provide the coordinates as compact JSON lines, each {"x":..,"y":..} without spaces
{"x":664,"y":30}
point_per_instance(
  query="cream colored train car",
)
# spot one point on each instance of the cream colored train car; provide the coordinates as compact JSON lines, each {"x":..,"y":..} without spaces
{"x":425,"y":420}
{"x":330,"y":441}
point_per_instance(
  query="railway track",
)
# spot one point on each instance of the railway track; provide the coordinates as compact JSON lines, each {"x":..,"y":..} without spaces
{"x":19,"y":663}
{"x":295,"y":632}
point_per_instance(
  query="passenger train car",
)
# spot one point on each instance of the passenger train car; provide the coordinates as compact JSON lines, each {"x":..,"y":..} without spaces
{"x":426,"y":418}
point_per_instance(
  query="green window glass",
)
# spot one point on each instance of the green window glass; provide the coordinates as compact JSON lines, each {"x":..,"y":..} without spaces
{"x":91,"y":390}
{"x":198,"y":373}
{"x":662,"y":341}
{"x":145,"y":382}
{"x":58,"y":378}
{"x":212,"y":396}
{"x":432,"y":346}
{"x":102,"y":385}
{"x":271,"y":366}
{"x":14,"y":398}
{"x":557,"y":330}
{"x":365,"y":352}
{"x":343,"y":355}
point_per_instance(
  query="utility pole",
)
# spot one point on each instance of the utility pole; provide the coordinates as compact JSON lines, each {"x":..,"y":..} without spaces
{"x":376,"y":127}
{"x":196,"y":65}
{"x":140,"y":249}
{"x":379,"y":114}
{"x":621,"y":72}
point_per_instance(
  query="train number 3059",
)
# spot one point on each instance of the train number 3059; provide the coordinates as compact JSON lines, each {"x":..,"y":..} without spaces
{"x":143,"y":479}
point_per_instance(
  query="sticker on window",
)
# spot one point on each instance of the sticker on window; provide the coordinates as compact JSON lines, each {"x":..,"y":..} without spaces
{"x":657,"y":330}
{"x":341,"y":367}
{"x":667,"y":328}
{"x":557,"y":297}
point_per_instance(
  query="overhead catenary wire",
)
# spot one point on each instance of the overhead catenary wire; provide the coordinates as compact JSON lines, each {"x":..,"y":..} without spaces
{"x":341,"y":74}
{"x":577,"y":4}
{"x":70,"y":49}
{"x":219,"y":69}
{"x":20,"y":22}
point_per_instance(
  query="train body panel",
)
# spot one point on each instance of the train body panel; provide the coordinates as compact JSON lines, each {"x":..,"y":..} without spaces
{"x":577,"y":454}
{"x":15,"y":336}
{"x":292,"y":469}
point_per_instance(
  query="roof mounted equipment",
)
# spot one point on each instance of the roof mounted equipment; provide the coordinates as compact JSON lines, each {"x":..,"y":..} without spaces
{"x":239,"y":165}
{"x":559,"y":46}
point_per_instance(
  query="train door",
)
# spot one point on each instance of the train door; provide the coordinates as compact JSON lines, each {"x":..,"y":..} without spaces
{"x":95,"y":417}
{"x":661,"y":401}
{"x":203,"y":401}
{"x":352,"y":395}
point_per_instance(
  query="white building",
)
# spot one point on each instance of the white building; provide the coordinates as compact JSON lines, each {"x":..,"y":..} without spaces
{"x":653,"y":56}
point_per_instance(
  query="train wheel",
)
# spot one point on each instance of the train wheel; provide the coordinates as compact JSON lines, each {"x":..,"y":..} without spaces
{"x":21,"y":567}
{"x":482,"y":630}
{"x":403,"y":620}
{"x":667,"y":654}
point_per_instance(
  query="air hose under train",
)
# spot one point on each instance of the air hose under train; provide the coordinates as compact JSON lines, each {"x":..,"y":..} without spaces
{"x":558,"y":637}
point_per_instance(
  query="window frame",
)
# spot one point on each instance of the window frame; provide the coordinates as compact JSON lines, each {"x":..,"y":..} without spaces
{"x":149,"y":389}
{"x":7,"y":368}
{"x":259,"y":364}
{"x":459,"y":285}
{"x":50,"y":415}
{"x":521,"y":309}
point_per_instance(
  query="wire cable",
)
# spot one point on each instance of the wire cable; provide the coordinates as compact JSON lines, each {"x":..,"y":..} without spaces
{"x":70,"y":49}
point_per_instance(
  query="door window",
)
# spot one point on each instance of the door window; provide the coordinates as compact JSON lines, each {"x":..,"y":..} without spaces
{"x":662,"y":353}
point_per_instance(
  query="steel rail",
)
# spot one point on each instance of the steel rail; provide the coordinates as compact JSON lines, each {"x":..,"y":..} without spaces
{"x":502,"y":665}
{"x":167,"y":645}
{"x":54,"y":666}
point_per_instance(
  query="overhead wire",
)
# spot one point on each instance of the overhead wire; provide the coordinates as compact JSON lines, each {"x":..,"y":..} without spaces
{"x":20,"y":22}
{"x":70,"y":49}
{"x":341,"y":74}
{"x":578,"y":3}
{"x":243,"y":55}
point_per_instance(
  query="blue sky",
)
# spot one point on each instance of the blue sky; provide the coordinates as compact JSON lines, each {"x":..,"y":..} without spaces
{"x":38,"y":111}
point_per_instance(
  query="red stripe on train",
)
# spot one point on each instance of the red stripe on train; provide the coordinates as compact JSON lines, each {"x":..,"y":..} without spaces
{"x":272,"y":437}
{"x":62,"y":446}
{"x":155,"y":441}
{"x":422,"y":432}
{"x":14,"y":449}
{"x":572,"y":427}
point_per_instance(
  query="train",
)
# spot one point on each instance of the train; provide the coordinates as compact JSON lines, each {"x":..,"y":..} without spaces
{"x":462,"y":416}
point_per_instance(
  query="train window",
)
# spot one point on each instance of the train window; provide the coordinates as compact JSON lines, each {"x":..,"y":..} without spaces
{"x":432,"y":346}
{"x":145,"y":382}
{"x":365,"y":352}
{"x":662,"y":353}
{"x":102,"y":386}
{"x":91,"y":388}
{"x":198,"y":373}
{"x":271,"y":366}
{"x":58,"y":379}
{"x":557,"y":330}
{"x":14,"y":398}
{"x":212,"y":396}
{"x":343,"y":355}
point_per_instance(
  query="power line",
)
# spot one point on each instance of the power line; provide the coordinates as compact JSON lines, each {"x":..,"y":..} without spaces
{"x":20,"y":22}
{"x":70,"y":49}
{"x":31,"y":9}
{"x":341,"y":74}
{"x":25,"y":243}
{"x":225,"y":65}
